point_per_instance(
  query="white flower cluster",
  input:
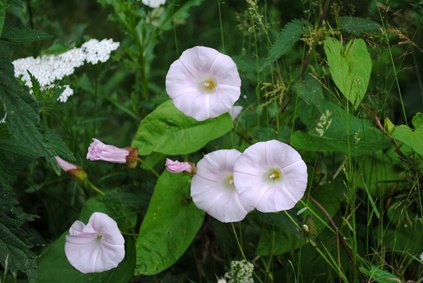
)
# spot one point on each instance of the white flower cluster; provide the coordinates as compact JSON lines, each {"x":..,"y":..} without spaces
{"x":241,"y":272}
{"x":153,"y":3}
{"x":324,"y":123}
{"x":49,"y":69}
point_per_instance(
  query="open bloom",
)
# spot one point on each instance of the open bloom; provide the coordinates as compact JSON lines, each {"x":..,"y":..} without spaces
{"x":105,"y":152}
{"x":235,"y":111}
{"x":153,"y":3}
{"x":95,"y":247}
{"x":203,"y":83}
{"x":271,"y":176}
{"x":212,"y":187}
{"x":177,"y":167}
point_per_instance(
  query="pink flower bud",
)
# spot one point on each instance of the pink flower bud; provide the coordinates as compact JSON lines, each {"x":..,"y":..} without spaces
{"x":66,"y":166}
{"x":105,"y":152}
{"x":177,"y":167}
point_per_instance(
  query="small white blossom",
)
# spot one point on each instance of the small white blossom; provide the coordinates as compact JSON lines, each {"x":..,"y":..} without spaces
{"x":421,"y":256}
{"x":153,"y":3}
{"x":65,"y":94}
{"x":48,"y":69}
{"x":240,"y":272}
{"x":221,"y":280}
{"x":324,"y":123}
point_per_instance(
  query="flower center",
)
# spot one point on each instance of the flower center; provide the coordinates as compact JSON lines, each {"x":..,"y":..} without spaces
{"x":99,"y":236}
{"x":229,"y":182}
{"x":274,"y":175}
{"x":207,"y":84}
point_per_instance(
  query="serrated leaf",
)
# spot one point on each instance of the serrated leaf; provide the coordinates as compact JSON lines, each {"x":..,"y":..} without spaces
{"x":23,"y":35}
{"x":168,"y":131}
{"x":285,"y":40}
{"x":169,"y":226}
{"x":411,"y":137}
{"x":14,"y":245}
{"x":350,"y":67}
{"x":357,"y":26}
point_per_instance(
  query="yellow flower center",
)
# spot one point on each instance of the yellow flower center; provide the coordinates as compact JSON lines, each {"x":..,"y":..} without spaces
{"x":275,"y":175}
{"x":209,"y":84}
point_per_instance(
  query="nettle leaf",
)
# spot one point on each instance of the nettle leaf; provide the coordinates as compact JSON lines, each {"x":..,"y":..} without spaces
{"x":14,"y":246}
{"x":168,"y":131}
{"x":285,"y":40}
{"x":279,"y":234}
{"x":350,"y":67}
{"x":170,"y":225}
{"x":331,"y":128}
{"x":23,"y":35}
{"x":53,"y":265}
{"x":357,"y":26}
{"x":412,"y":138}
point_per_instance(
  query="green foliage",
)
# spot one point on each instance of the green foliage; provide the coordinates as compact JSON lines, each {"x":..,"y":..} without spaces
{"x":412,"y":138}
{"x":53,"y":266}
{"x":358,"y":26}
{"x":169,"y":131}
{"x":378,"y":275}
{"x":284,"y":231}
{"x":331,"y":128}
{"x":23,"y":35}
{"x":350,"y":67}
{"x":2,"y":14}
{"x":170,"y":225}
{"x":285,"y":40}
{"x":15,"y":249}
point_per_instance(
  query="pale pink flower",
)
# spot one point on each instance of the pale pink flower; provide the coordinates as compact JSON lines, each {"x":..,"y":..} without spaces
{"x":95,"y":247}
{"x":177,"y":167}
{"x":66,"y":166}
{"x":270,"y":176}
{"x":105,"y":152}
{"x":203,"y":83}
{"x":213,"y":190}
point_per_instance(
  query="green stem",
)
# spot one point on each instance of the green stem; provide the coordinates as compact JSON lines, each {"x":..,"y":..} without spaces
{"x":94,"y":187}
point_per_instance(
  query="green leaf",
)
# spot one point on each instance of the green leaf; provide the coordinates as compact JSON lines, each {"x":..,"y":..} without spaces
{"x":170,"y":225}
{"x":331,"y":128}
{"x":285,"y":40}
{"x":378,"y":275}
{"x":2,"y":14}
{"x":53,"y":266}
{"x":350,"y":67}
{"x":280,"y":234}
{"x":358,"y":26}
{"x":168,"y":131}
{"x":23,"y":35}
{"x":412,"y":138}
{"x":14,"y":246}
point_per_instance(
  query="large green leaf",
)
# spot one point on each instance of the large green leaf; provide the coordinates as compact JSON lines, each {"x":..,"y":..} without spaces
{"x":169,"y":131}
{"x":331,"y":128}
{"x":280,"y":234}
{"x":412,"y":138}
{"x":53,"y":266}
{"x":350,"y":67}
{"x":379,"y":275}
{"x":170,"y":225}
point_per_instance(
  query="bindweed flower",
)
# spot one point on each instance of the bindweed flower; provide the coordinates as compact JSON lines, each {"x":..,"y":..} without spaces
{"x":153,"y":3}
{"x":95,"y":247}
{"x":203,"y":83}
{"x":270,"y":176}
{"x":111,"y":153}
{"x":212,"y":187}
{"x":178,"y":167}
{"x":72,"y":169}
